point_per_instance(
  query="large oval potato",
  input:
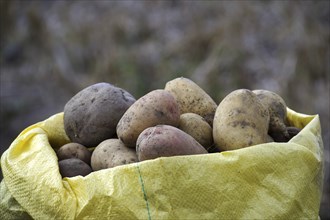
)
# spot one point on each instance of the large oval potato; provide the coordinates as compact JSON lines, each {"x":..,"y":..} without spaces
{"x":91,"y":116}
{"x":154,"y":108}
{"x":241,"y":120}
{"x":74,"y":150}
{"x":197,"y":127}
{"x":111,"y":153}
{"x":192,"y":98}
{"x":166,"y":141}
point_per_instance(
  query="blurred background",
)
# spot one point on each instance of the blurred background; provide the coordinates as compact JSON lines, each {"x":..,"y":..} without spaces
{"x":50,"y":50}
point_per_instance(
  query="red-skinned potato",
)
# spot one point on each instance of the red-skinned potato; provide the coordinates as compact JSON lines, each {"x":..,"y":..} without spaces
{"x":166,"y":141}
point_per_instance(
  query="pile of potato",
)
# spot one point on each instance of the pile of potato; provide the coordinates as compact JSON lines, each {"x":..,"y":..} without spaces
{"x":108,"y":127}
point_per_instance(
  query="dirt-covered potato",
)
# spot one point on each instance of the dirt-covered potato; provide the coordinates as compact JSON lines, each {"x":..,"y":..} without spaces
{"x":73,"y":167}
{"x":292,"y":131}
{"x":111,"y":153}
{"x":166,"y":141}
{"x":197,"y":127}
{"x":91,"y":116}
{"x":154,"y":108}
{"x":277,"y":112}
{"x":192,"y":98}
{"x":241,"y":120}
{"x":280,"y":137}
{"x":74,"y":150}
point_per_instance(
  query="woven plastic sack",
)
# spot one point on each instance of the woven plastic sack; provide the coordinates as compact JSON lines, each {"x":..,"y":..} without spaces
{"x":266,"y":181}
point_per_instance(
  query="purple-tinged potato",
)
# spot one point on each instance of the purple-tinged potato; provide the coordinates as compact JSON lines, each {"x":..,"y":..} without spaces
{"x":73,"y":167}
{"x":91,"y":116}
{"x":166,"y":141}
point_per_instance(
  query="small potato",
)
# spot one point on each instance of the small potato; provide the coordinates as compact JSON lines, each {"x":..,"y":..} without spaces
{"x":241,"y":120}
{"x":292,"y":131}
{"x":192,"y":98}
{"x":154,"y":108}
{"x":197,"y":127}
{"x":280,"y":137}
{"x":91,"y":116}
{"x":277,"y":112}
{"x":166,"y":141}
{"x":111,"y":153}
{"x":74,"y":150}
{"x":73,"y":167}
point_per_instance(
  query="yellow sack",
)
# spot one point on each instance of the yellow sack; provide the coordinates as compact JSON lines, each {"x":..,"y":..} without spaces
{"x":266,"y":181}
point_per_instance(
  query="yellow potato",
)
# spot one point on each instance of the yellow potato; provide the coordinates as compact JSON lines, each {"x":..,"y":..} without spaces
{"x":192,"y":98}
{"x":277,"y":112}
{"x":156,"y":107}
{"x":111,"y":153}
{"x":241,"y":120}
{"x":196,"y":126}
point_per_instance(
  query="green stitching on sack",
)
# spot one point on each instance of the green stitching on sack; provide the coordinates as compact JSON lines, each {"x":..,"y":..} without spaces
{"x":144,"y":192}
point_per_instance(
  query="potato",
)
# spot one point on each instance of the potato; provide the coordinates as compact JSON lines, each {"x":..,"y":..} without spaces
{"x":156,"y":107}
{"x":73,"y":167}
{"x":74,"y":150}
{"x":292,"y":131}
{"x":280,"y":137}
{"x":241,"y":120}
{"x":91,"y":116}
{"x":277,"y":112}
{"x":111,"y":153}
{"x":197,"y":127}
{"x":192,"y":98}
{"x":166,"y":141}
